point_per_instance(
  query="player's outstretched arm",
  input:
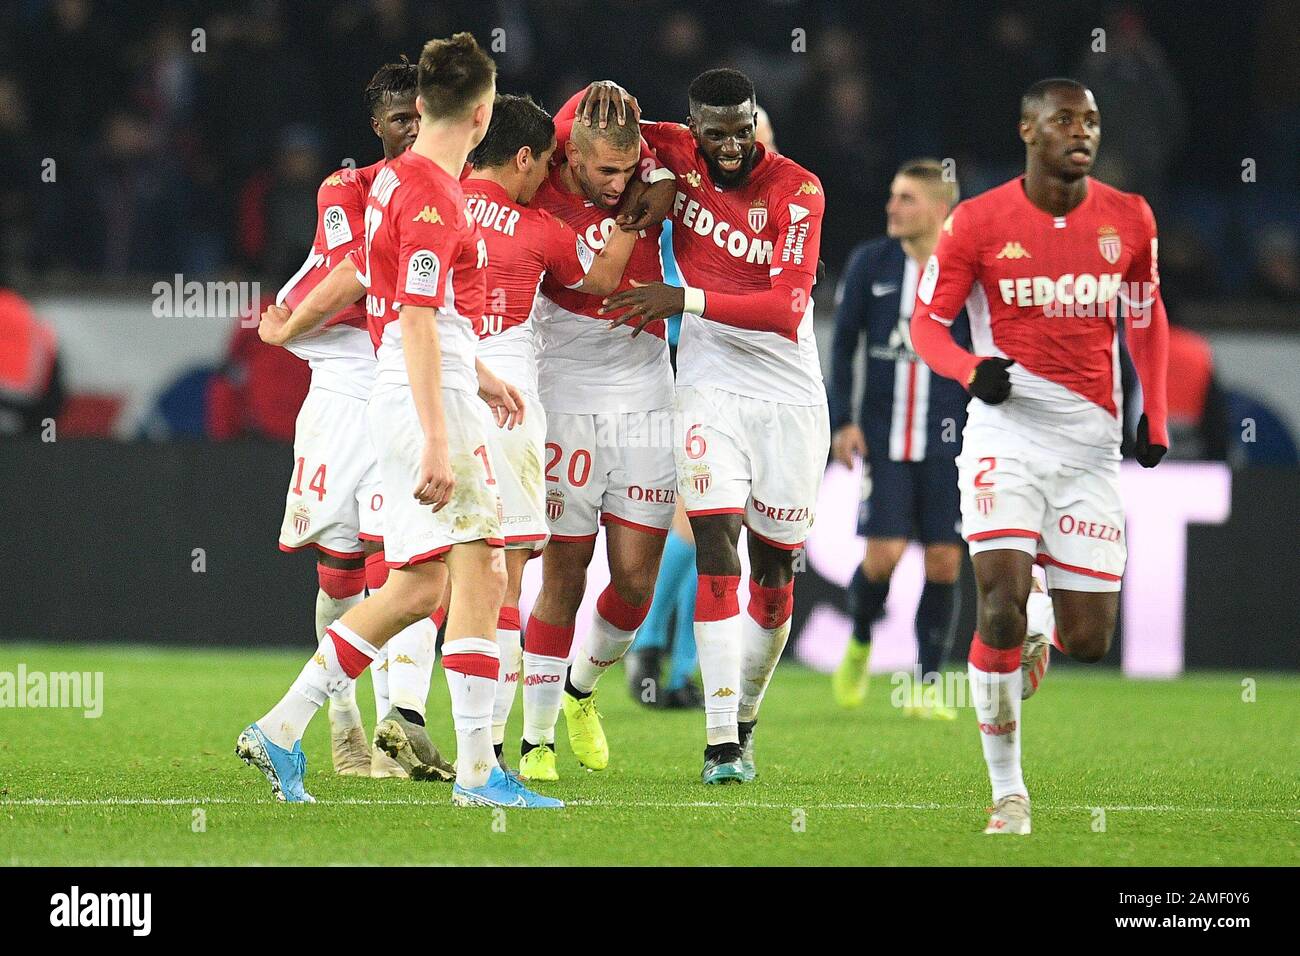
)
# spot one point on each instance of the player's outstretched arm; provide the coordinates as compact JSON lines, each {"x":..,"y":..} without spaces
{"x":336,"y":291}
{"x":606,"y":270}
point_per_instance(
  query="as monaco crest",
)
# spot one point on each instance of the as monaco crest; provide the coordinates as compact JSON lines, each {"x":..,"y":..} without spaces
{"x":701,"y":480}
{"x":554,"y":505}
{"x":301,"y":521}
{"x":984,"y":502}
{"x":1109,"y":243}
{"x":758,"y":215}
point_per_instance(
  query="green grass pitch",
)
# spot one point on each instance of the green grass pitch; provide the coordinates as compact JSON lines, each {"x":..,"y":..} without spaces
{"x":1121,"y":772}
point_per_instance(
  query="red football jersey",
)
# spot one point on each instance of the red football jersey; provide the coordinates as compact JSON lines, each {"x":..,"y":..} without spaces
{"x":422,"y":249}
{"x":594,"y":226}
{"x":523,"y":244}
{"x":340,"y":214}
{"x":753,"y":251}
{"x":1045,"y":291}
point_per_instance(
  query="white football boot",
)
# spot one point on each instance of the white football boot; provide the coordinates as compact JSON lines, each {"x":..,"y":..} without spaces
{"x":1010,"y":815}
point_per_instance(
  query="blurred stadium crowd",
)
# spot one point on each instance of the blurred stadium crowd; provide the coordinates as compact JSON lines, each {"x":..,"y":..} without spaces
{"x":175,"y":160}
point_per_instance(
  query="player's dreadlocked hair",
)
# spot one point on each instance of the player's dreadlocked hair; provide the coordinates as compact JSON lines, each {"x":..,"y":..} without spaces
{"x":392,"y":80}
{"x":517,"y":121}
{"x":1033,"y":98}
{"x":453,"y":74}
{"x":720,"y":88}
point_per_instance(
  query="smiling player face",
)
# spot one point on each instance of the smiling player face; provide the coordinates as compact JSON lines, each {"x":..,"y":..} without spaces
{"x":1065,"y":132}
{"x":725,"y":137}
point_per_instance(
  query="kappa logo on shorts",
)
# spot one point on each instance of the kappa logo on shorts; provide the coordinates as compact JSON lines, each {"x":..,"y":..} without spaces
{"x":984,"y":502}
{"x":301,"y":520}
{"x":554,"y":504}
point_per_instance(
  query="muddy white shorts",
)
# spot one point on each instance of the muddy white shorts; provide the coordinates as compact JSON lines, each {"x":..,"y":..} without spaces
{"x":414,"y":532}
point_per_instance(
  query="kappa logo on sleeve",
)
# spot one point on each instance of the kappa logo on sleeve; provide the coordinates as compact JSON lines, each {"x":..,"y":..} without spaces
{"x":337,"y":230}
{"x":422,"y":273}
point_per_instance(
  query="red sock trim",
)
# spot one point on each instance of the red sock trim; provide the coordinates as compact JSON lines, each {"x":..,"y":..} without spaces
{"x":715,"y":597}
{"x":993,"y":660}
{"x":547,"y":640}
{"x":351,"y":658}
{"x":376,"y":571}
{"x":439,"y":618}
{"x":770,"y":607}
{"x":472,"y":665}
{"x":1056,"y":640}
{"x":340,"y":583}
{"x":508,"y":619}
{"x":626,"y":617}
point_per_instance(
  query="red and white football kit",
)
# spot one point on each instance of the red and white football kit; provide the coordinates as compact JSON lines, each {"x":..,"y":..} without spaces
{"x":1039,"y":472}
{"x":334,"y":498}
{"x":608,"y":396}
{"x":423,"y":250}
{"x":752,"y":428}
{"x":522,"y":244}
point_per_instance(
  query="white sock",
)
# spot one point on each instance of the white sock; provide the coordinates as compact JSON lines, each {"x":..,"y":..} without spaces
{"x":410,"y":665}
{"x":284,"y":723}
{"x":379,"y":678}
{"x":343,"y":702}
{"x":543,"y":686}
{"x":606,"y":643}
{"x":997,"y":705}
{"x":761,"y":648}
{"x":1040,"y":614}
{"x":508,"y":643}
{"x":472,"y":665}
{"x":330,"y":609}
{"x":718,"y":643}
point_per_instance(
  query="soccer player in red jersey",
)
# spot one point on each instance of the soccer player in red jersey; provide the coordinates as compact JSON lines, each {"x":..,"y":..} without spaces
{"x":1042,"y":265}
{"x":335,"y":502}
{"x":608,"y":398}
{"x":424,"y":263}
{"x":752,"y":427}
{"x":523,"y":245}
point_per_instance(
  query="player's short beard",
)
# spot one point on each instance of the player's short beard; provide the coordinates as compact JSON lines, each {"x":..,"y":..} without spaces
{"x":726,"y":179}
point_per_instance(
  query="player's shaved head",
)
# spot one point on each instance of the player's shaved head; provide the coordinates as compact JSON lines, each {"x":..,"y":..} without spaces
{"x":455,"y":74}
{"x":1035,"y":97}
{"x":617,"y":136}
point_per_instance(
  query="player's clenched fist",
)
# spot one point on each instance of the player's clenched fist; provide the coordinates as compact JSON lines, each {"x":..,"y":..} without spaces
{"x":848,"y":443}
{"x":991,"y":382}
{"x":436,"y":481}
{"x":271,"y":329}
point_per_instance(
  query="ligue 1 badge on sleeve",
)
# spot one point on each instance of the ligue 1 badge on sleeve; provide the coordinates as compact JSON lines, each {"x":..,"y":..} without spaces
{"x":1109,"y":243}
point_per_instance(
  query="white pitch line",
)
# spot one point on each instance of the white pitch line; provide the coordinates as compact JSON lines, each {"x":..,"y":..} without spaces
{"x":631,"y":804}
